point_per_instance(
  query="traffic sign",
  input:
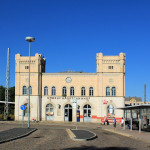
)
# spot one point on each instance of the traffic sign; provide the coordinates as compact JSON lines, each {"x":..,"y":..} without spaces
{"x":22,"y":107}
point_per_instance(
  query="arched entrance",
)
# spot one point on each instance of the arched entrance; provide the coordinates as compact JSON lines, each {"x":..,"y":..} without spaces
{"x":87,"y":113}
{"x":49,"y":112}
{"x":68,"y":112}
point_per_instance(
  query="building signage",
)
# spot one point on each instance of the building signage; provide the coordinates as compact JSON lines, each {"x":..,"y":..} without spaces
{"x":68,"y":98}
{"x":105,"y":102}
{"x":74,"y":103}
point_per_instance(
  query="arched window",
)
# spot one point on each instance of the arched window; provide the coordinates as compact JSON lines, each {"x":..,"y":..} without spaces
{"x":91,"y":91}
{"x":110,"y":109}
{"x":24,"y":90}
{"x":25,"y":112}
{"x":64,"y":91}
{"x":50,"y":109}
{"x":83,"y":91}
{"x":53,"y":90}
{"x":113,"y":91}
{"x":45,"y":90}
{"x":72,"y":91}
{"x":107,"y":91}
{"x":30,"y":90}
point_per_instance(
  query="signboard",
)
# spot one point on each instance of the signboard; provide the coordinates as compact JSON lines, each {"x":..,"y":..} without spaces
{"x":74,"y":103}
{"x":105,"y":102}
{"x":22,"y":107}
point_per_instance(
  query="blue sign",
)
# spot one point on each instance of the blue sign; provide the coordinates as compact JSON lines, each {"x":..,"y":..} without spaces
{"x":22,"y":107}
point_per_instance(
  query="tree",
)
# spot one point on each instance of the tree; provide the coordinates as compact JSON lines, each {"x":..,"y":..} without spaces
{"x":12,"y":94}
{"x":11,"y":99}
{"x":2,"y":93}
{"x":2,"y":98}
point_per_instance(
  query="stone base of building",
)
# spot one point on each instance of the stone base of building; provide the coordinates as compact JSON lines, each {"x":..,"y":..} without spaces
{"x":67,"y":109}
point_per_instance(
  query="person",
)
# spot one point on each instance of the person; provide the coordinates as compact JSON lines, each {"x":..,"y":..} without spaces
{"x":114,"y":124}
{"x":122,"y":122}
{"x":104,"y":119}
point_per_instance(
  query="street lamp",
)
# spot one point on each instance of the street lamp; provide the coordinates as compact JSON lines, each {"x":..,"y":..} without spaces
{"x":29,"y":39}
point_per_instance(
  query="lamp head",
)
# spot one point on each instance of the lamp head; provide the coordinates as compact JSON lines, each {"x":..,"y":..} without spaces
{"x":30,"y":39}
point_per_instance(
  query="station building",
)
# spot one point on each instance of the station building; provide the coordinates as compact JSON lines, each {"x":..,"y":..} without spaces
{"x":53,"y":95}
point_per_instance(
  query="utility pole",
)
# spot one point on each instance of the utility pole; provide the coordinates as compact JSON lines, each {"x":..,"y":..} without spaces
{"x":144,"y":93}
{"x":7,"y":85}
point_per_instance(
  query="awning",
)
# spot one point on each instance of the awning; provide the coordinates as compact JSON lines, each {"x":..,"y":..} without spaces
{"x":142,"y":106}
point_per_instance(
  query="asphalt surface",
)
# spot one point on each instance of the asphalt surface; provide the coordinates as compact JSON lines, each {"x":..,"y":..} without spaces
{"x":83,"y":134}
{"x":54,"y":136}
{"x":15,"y":133}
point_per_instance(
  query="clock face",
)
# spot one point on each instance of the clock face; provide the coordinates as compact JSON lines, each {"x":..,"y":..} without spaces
{"x":68,"y":79}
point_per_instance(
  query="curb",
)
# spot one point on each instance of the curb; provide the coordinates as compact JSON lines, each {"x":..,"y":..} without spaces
{"x":18,"y":137}
{"x":73,"y":137}
{"x":128,"y":135}
{"x":70,"y":133}
{"x":116,"y":132}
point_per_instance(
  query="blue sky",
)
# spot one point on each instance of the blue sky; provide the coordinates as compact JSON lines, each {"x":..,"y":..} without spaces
{"x":69,"y":33}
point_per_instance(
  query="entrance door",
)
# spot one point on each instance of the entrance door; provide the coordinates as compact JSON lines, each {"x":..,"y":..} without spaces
{"x":68,"y":112}
{"x":87,"y":113}
{"x":49,"y":112}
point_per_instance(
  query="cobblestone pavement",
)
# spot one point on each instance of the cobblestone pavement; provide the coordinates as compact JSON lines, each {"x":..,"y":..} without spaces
{"x":54,"y":136}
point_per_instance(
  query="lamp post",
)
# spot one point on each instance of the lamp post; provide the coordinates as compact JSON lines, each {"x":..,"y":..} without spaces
{"x":29,"y":39}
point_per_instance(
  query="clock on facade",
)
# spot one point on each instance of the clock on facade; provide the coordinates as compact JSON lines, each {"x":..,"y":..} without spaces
{"x":68,"y":79}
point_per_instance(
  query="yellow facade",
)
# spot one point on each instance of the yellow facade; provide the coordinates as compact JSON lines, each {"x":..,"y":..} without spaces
{"x":107,"y":84}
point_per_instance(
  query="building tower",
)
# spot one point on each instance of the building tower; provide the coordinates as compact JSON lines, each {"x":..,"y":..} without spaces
{"x":37,"y":67}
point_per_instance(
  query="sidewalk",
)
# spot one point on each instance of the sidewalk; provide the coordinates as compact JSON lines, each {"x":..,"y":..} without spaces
{"x":144,"y":136}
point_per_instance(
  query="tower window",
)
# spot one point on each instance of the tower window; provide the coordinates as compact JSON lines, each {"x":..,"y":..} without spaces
{"x":113,"y":91}
{"x":107,"y":91}
{"x":26,"y":67}
{"x":24,"y":90}
{"x":110,"y":67}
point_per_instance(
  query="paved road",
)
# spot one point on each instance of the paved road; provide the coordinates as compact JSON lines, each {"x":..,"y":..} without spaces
{"x":56,"y":137}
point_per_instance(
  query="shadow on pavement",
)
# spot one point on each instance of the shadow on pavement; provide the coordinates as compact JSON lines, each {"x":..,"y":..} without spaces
{"x":96,"y":148}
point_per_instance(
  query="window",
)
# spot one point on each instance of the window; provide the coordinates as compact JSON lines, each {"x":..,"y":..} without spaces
{"x":24,"y":90}
{"x":25,"y":112}
{"x":107,"y":91}
{"x":110,"y":109}
{"x":64,"y":91}
{"x":45,"y":90}
{"x":110,"y":67}
{"x":30,"y":90}
{"x":26,"y":67}
{"x":72,"y":91}
{"x":113,"y":91}
{"x":91,"y":91}
{"x":49,"y":110}
{"x":53,"y":90}
{"x":83,"y":91}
